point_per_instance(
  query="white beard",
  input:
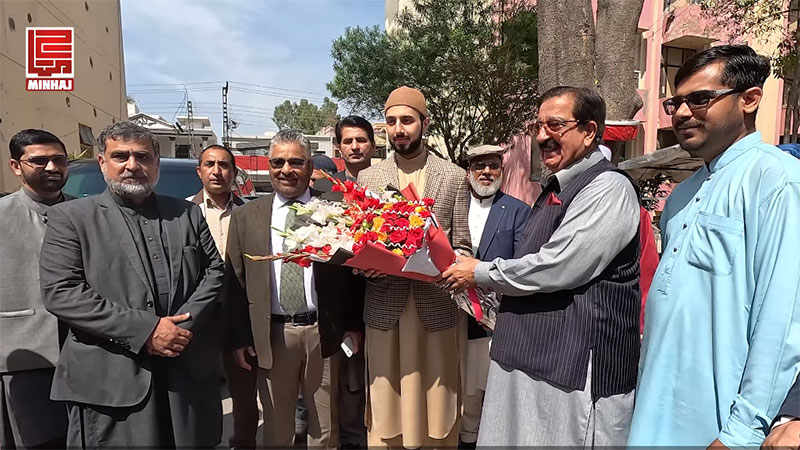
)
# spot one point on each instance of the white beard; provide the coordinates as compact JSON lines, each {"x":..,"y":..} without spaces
{"x":485,"y":191}
{"x":130,"y":190}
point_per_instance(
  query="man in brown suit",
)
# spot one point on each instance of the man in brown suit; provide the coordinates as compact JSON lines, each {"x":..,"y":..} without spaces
{"x":414,"y":330}
{"x":292,"y":319}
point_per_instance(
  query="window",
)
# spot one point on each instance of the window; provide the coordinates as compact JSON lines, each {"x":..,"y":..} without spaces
{"x":182,"y":150}
{"x":672,"y":58}
{"x":87,"y":142}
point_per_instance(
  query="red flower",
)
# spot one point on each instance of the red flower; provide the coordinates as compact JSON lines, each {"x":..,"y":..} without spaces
{"x":409,"y":250}
{"x":326,"y":249}
{"x":357,"y":247}
{"x":416,"y":233}
{"x":371,"y":236}
{"x":424,"y":214}
{"x":389,"y":215}
{"x":303,"y":262}
{"x":428,"y":202}
{"x":398,"y":236}
{"x":401,"y":222}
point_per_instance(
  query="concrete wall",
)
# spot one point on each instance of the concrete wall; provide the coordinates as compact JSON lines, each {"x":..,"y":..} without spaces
{"x":98,"y":97}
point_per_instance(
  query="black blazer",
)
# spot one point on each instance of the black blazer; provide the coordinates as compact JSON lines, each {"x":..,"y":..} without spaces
{"x":93,"y":279}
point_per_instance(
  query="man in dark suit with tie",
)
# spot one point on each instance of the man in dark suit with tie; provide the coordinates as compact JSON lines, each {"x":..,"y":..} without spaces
{"x":786,"y":428}
{"x":496,"y":222}
{"x":137,"y":278}
{"x":293,"y":319}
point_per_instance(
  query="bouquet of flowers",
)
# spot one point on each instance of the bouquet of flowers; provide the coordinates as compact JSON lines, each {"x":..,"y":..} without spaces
{"x":393,"y":232}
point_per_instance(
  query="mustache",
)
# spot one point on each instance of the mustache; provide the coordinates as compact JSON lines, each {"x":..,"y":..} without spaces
{"x":132,"y":175}
{"x":549,"y":144}
{"x":689,"y":121}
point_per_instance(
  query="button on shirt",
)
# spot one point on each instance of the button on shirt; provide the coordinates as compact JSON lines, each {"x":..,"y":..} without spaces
{"x":478,"y":215}
{"x":280,"y":209}
{"x":722,"y":329}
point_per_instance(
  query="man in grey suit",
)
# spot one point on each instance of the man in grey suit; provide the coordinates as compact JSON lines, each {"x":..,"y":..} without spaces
{"x":29,"y":335}
{"x":137,"y":277}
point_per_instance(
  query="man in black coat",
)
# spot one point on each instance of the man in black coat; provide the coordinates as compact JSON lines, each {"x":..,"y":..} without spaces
{"x":137,"y":277}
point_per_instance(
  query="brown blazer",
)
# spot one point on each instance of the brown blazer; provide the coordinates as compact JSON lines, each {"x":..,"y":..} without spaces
{"x":248,"y":300}
{"x":385,"y":298}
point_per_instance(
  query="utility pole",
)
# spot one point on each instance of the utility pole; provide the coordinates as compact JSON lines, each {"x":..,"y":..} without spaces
{"x":226,"y":139}
{"x":190,"y":125}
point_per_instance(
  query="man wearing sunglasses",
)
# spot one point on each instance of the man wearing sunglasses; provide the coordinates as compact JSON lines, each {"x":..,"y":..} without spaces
{"x":566,"y":343}
{"x":293,"y":319}
{"x":721,"y":342}
{"x":30,"y":337}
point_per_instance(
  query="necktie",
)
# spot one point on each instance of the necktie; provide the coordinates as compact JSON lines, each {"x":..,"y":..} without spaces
{"x":293,"y":293}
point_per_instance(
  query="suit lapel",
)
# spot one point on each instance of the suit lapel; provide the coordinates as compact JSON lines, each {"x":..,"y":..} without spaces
{"x":392,"y":177}
{"x":264,"y":234}
{"x":496,"y":214}
{"x":172,"y":226}
{"x":114,"y":216}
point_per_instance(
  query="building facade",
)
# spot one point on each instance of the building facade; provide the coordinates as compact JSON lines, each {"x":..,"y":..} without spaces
{"x":98,"y":97}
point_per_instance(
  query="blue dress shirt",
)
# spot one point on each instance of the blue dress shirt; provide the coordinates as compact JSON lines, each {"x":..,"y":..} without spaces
{"x":722,"y":327}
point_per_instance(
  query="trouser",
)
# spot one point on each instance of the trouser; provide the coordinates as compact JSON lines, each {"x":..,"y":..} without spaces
{"x":28,"y":418}
{"x":352,"y":401}
{"x":242,"y":388}
{"x":297,"y":364}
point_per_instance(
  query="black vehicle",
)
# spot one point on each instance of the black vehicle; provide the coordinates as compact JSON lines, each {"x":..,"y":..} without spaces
{"x":178,"y":178}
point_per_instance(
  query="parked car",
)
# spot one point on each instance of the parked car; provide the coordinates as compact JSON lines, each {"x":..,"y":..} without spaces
{"x":178,"y":178}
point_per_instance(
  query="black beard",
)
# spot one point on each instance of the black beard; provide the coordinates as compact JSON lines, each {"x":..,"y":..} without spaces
{"x":39,"y":184}
{"x":413,"y":146}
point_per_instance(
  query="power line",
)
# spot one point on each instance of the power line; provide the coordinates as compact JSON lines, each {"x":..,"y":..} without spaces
{"x":279,"y":88}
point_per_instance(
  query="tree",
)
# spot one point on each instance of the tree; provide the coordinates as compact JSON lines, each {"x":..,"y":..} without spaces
{"x":305,"y":116}
{"x":761,"y":19}
{"x":475,"y":61}
{"x":577,"y":50}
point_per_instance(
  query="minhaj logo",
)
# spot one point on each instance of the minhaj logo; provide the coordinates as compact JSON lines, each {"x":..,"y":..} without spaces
{"x":49,"y":58}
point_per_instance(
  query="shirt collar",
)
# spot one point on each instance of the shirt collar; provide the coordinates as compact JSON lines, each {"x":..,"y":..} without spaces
{"x":304,"y":198}
{"x":482,"y":201}
{"x":569,"y":173}
{"x":734,"y":151}
{"x":209,"y":202}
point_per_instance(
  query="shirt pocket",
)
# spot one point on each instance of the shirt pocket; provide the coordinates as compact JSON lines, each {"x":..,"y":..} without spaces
{"x":714,"y":243}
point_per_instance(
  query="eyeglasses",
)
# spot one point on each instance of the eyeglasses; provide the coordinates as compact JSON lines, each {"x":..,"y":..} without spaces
{"x":479,"y":166}
{"x":553,"y":125}
{"x":294,"y":163}
{"x":43,"y":161}
{"x":695,"y":100}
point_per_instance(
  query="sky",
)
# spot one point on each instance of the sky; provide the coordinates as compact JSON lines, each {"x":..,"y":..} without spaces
{"x":269,"y":50}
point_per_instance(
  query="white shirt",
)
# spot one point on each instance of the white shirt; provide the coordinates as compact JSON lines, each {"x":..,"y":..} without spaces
{"x":478,"y":215}
{"x":279,"y":212}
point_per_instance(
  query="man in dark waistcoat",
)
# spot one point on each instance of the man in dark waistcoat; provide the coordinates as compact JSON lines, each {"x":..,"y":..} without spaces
{"x":566,"y":344}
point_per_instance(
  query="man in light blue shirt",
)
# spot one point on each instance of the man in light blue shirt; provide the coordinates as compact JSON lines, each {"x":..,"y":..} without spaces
{"x":722,"y":329}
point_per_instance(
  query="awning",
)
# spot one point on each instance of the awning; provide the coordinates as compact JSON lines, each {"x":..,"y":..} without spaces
{"x":621,"y":130}
{"x":672,"y":161}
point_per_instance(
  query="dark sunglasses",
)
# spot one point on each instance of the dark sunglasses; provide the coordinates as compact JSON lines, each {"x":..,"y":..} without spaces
{"x":695,"y":100}
{"x":294,"y":163}
{"x":479,"y":166}
{"x":43,"y":161}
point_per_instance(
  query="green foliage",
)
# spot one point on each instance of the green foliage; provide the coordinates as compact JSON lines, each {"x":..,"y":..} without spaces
{"x":652,"y":192}
{"x":475,"y":61}
{"x":758,"y":20}
{"x":305,"y":116}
